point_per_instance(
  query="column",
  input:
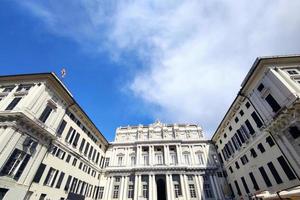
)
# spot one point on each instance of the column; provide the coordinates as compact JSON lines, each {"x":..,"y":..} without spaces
{"x":108,"y":188}
{"x":150,"y":186}
{"x":125,"y":190}
{"x":140,"y":187}
{"x":138,"y":156}
{"x":182,"y":187}
{"x":220,"y":191}
{"x":154,"y":189}
{"x":213,"y":187}
{"x":112,"y":162}
{"x":168,"y":187}
{"x":187,"y":192}
{"x":121,"y":196}
{"x":13,"y":138}
{"x":136,"y":182}
{"x":166,"y":154}
{"x":200,"y":179}
{"x":192,"y":154}
{"x":199,"y":188}
{"x":178,"y":156}
{"x":172,"y":195}
{"x":151,"y":155}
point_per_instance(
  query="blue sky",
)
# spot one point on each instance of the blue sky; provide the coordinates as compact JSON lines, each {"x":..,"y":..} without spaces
{"x":131,"y":62}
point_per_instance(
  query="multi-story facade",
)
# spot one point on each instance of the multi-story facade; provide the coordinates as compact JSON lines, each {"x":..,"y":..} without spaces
{"x":162,"y":162}
{"x":258,"y":138}
{"x":49,"y":148}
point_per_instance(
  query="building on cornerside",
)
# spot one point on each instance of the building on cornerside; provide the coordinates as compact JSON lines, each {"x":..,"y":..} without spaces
{"x":258,"y":139}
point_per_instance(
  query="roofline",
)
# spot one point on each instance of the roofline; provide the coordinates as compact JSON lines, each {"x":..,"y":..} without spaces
{"x":52,"y":74}
{"x":253,"y":68}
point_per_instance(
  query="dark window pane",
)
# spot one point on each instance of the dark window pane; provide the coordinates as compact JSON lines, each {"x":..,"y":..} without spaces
{"x":82,"y":144}
{"x":270,"y":141}
{"x":237,"y":188}
{"x":13,"y":104}
{"x":67,"y":186}
{"x":265,"y":176}
{"x":256,"y":119}
{"x":255,"y":185}
{"x":61,"y":127}
{"x":60,"y":179}
{"x":22,"y":167}
{"x":44,"y":116}
{"x":273,"y":103}
{"x":249,"y":126}
{"x":245,"y":185}
{"x":39,"y":173}
{"x":76,"y":139}
{"x":232,"y":192}
{"x":260,"y":87}
{"x":294,"y":131}
{"x":261,"y":148}
{"x":253,"y":153}
{"x":247,"y":105}
{"x":275,"y":173}
{"x":286,"y":168}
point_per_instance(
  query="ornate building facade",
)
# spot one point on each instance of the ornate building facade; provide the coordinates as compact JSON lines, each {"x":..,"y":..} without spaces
{"x":259,"y":137}
{"x":162,"y":161}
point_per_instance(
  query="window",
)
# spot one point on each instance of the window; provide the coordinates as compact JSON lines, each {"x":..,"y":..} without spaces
{"x":116,"y":192}
{"x":237,"y":188}
{"x":253,"y":153}
{"x":186,"y":157}
{"x":177,"y":190}
{"x":132,"y":160}
{"x":120,"y":160}
{"x":23,"y":88}
{"x":275,"y":173}
{"x":242,"y":113}
{"x":231,"y":190}
{"x":294,"y":131}
{"x":91,"y":151}
{"x":42,"y":197}
{"x":75,"y":142}
{"x":286,"y":168}
{"x":192,"y":191}
{"x":247,"y":105}
{"x":61,"y":128}
{"x":237,"y":165}
{"x":245,"y":185}
{"x":145,"y":159}
{"x":230,"y":128}
{"x":67,"y":186}
{"x":159,"y":159}
{"x":200,"y":159}
{"x":292,"y":72}
{"x":86,"y":148}
{"x":244,"y":159}
{"x":255,"y":186}
{"x":145,"y":191}
{"x":101,"y":191}
{"x":74,"y":162}
{"x":249,"y":126}
{"x":270,"y":141}
{"x":256,"y":119}
{"x":82,"y":144}
{"x":13,"y":104}
{"x":265,"y":176}
{"x":173,"y":159}
{"x":273,"y":103}
{"x":230,"y":169}
{"x":50,"y":176}
{"x":236,"y":120}
{"x":261,"y":148}
{"x":106,"y":162}
{"x":260,"y":87}
{"x":46,"y":113}
{"x":190,"y":178}
{"x":130,"y":191}
{"x":60,"y":154}
{"x":225,"y":135}
{"x":8,"y":88}
{"x":68,"y":158}
{"x":207,"y":189}
{"x":39,"y":173}
{"x":16,"y":164}
{"x":60,"y":179}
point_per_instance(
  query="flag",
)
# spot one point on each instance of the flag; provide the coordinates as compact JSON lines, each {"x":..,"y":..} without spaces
{"x":63,"y":72}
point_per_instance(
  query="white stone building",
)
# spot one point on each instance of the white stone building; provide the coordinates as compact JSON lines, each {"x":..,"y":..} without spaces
{"x":259,"y":138}
{"x":49,"y":148}
{"x":162,"y":161}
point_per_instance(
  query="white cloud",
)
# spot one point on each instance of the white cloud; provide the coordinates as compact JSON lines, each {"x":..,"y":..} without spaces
{"x":195,"y":53}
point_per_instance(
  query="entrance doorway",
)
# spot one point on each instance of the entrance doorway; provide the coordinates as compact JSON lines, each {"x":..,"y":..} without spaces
{"x":161,"y":188}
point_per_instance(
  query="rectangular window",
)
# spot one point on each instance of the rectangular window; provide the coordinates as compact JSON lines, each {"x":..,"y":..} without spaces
{"x":97,"y":158}
{"x":237,"y":188}
{"x":132,"y":160}
{"x":231,"y":189}
{"x":177,"y":190}
{"x":75,"y":142}
{"x":273,"y":103}
{"x":68,"y":158}
{"x":120,"y":160}
{"x":145,"y":191}
{"x":74,"y":162}
{"x":130,"y":191}
{"x":286,"y":168}
{"x":255,"y":185}
{"x":244,"y":159}
{"x":192,"y":191}
{"x":91,"y":151}
{"x":82,"y":144}
{"x":249,"y":126}
{"x":60,"y":179}
{"x":67,"y":186}
{"x":245,"y":185}
{"x":256,"y":119}
{"x":39,"y":173}
{"x":86,"y":148}
{"x":270,"y":141}
{"x":16,"y":164}
{"x":61,"y":128}
{"x":253,"y":153}
{"x":237,"y":165}
{"x":13,"y":104}
{"x":46,"y":113}
{"x":260,"y":87}
{"x":275,"y":173}
{"x":116,"y":192}
{"x":207,"y":189}
{"x":106,"y":162}
{"x":50,"y":176}
{"x":261,"y":148}
{"x":247,"y":105}
{"x":294,"y":131}
{"x":101,"y":191}
{"x":159,"y":159}
{"x":265,"y":176}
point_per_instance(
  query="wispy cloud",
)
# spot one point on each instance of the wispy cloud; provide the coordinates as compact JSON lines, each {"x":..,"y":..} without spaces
{"x":195,"y":53}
